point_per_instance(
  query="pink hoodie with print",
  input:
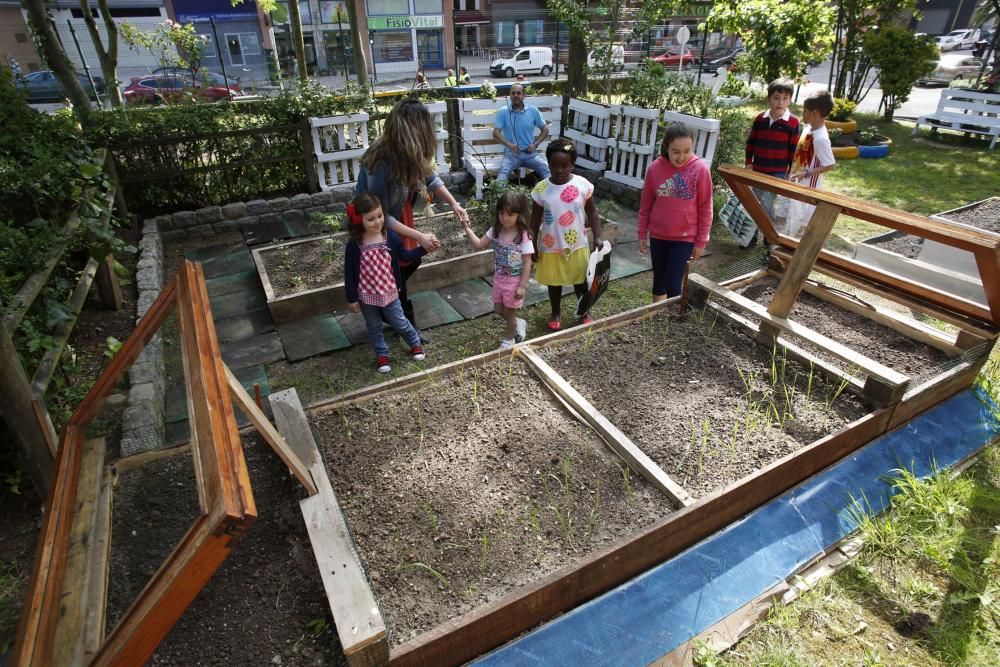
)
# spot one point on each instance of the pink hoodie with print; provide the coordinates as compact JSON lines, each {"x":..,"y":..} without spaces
{"x":676,"y":203}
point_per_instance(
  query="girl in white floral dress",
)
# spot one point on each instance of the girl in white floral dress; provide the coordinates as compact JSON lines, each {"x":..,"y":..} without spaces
{"x":563,"y":209}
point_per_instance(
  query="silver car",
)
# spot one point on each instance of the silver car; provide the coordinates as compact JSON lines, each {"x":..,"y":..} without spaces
{"x":953,"y":67}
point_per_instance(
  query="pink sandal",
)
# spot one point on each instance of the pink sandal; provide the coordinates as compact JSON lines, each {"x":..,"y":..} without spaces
{"x":554,"y":325}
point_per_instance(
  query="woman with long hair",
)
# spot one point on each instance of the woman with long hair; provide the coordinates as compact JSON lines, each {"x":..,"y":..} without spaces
{"x":398,"y":168}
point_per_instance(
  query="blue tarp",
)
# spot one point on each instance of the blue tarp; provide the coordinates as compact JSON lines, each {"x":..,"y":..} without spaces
{"x":646,"y":618}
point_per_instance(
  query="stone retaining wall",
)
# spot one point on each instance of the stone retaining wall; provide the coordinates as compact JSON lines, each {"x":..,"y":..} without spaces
{"x":211,"y":220}
{"x":142,"y":422}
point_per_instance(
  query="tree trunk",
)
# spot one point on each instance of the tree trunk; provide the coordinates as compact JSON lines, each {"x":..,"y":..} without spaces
{"x":297,"y":41}
{"x":576,"y":72}
{"x":360,"y":53}
{"x":55,"y":57}
{"x":108,"y":57}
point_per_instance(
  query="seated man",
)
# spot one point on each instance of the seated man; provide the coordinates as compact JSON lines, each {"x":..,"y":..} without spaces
{"x":515,"y":129}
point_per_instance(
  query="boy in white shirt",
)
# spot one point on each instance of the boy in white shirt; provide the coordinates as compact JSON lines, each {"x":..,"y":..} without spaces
{"x":813,"y":157}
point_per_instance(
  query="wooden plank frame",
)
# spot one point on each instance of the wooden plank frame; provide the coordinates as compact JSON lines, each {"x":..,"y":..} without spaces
{"x":463,"y":638}
{"x":984,"y":245}
{"x":225,"y":497}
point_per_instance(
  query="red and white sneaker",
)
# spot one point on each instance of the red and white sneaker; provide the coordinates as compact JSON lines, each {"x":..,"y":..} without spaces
{"x":383,"y":364}
{"x":417,"y":353}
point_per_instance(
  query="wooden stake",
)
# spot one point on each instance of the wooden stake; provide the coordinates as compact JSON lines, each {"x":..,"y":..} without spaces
{"x":684,"y":290}
{"x":256,"y":395}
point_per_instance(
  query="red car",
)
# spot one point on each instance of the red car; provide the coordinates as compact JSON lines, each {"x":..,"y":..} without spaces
{"x":674,"y":57}
{"x":176,"y":88}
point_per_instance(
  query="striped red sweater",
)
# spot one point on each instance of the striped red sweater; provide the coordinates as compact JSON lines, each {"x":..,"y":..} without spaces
{"x":771,"y":146}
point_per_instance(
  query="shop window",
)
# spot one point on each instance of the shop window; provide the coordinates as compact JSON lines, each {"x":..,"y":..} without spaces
{"x":392,"y":47}
{"x":388,"y":8}
{"x":427,"y":7}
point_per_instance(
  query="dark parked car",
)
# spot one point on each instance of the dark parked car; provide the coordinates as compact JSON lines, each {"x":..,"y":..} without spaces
{"x":176,"y":88}
{"x":44,"y":86}
{"x":724,"y":57}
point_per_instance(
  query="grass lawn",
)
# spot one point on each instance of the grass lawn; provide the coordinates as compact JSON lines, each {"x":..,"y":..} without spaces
{"x":924,"y":590}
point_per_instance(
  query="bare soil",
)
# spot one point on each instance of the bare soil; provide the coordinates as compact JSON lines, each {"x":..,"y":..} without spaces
{"x":302,"y":266}
{"x":705,"y":402}
{"x":265,"y":604}
{"x":875,"y":341}
{"x":153,"y":507}
{"x":469,"y":486}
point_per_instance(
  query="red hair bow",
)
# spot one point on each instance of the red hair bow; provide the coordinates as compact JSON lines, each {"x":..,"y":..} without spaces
{"x":353,"y":215}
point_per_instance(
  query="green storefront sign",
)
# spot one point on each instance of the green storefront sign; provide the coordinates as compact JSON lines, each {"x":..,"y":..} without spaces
{"x":404,"y":22}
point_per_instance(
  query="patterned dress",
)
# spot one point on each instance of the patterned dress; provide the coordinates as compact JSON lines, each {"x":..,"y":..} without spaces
{"x":563,"y":251}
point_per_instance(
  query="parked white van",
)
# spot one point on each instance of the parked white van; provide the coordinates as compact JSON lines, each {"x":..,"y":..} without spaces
{"x":525,"y":60}
{"x":595,"y":60}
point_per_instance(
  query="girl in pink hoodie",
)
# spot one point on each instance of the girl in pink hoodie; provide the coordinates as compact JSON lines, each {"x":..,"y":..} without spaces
{"x":675,"y":213}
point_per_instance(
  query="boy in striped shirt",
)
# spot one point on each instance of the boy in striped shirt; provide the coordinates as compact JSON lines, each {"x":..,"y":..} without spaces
{"x":773,"y":138}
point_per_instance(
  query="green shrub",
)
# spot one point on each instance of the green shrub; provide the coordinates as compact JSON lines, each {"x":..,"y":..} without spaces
{"x":653,"y":87}
{"x":842,"y":109}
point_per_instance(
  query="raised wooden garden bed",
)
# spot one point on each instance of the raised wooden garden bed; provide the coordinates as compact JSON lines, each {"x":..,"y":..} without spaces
{"x":305,"y":277}
{"x":478,"y":494}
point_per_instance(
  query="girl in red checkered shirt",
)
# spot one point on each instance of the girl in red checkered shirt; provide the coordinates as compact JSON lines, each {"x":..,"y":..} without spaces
{"x":372,"y":277}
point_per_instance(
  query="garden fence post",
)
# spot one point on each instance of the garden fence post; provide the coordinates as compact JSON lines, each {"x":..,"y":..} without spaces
{"x":34,"y":444}
{"x":108,"y":287}
{"x":454,"y":127}
{"x":312,"y":181}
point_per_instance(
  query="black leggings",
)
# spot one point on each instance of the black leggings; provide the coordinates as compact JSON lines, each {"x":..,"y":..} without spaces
{"x":669,"y":259}
{"x":555,"y":296}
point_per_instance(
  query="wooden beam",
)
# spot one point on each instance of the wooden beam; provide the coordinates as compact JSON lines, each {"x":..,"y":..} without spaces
{"x":287,"y":408}
{"x":800,"y":355}
{"x":921,"y":305}
{"x":38,"y":617}
{"x":47,"y":366}
{"x":988,"y":263}
{"x":76,"y":595}
{"x":925,"y":396}
{"x":31,"y":437}
{"x":616,"y":440}
{"x":494,"y":623}
{"x":888,"y":318}
{"x":100,"y":558}
{"x":298,"y":467}
{"x":91,"y":405}
{"x":803,"y":260}
{"x":985,"y":245}
{"x":360,"y":627}
{"x":951,"y":234}
{"x":894,"y":381}
{"x":108,"y":286}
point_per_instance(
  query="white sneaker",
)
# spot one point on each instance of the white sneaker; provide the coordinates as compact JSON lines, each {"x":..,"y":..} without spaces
{"x":521,"y":330}
{"x":507,"y":343}
{"x":383,"y":364}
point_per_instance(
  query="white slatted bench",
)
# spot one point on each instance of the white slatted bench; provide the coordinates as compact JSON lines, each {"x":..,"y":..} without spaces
{"x":706,"y":132}
{"x":482,"y":153}
{"x":588,"y":126}
{"x":965,"y":111}
{"x":338,"y":143}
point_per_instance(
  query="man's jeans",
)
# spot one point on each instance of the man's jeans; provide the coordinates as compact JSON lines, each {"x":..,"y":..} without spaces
{"x":534,"y":161}
{"x":393,"y":314}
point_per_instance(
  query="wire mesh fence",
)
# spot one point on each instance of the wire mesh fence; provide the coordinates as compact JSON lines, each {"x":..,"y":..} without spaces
{"x":256,"y":56}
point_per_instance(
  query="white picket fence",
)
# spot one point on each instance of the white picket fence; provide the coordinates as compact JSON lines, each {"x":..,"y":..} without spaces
{"x":619,"y":140}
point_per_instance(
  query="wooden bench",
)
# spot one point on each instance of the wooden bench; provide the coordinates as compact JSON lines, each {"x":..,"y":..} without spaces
{"x":965,"y":111}
{"x":481,"y":152}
